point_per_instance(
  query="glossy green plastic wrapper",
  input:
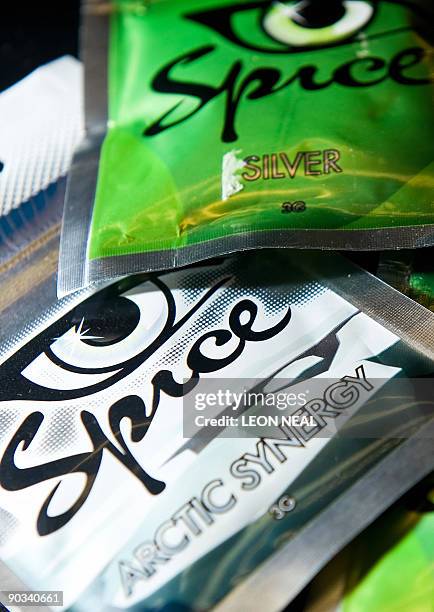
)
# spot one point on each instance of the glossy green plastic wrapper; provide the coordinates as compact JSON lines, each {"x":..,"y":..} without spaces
{"x":402,"y":579}
{"x":389,"y":567}
{"x":215,"y":126}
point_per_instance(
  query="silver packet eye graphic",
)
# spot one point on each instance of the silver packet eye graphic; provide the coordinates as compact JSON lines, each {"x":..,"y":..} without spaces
{"x":120,"y":507}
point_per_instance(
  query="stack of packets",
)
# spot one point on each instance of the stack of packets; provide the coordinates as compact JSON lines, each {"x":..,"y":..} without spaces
{"x":168,"y":430}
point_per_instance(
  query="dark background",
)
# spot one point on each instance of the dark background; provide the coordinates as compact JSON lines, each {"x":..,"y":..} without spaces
{"x":34,"y":33}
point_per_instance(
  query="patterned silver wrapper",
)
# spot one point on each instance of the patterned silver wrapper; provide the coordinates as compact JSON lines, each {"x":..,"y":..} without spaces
{"x":118,"y":508}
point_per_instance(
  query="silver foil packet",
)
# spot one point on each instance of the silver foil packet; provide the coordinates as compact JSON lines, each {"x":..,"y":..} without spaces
{"x":117,"y":506}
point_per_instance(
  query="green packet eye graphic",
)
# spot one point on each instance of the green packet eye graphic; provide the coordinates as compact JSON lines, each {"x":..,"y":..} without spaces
{"x":215,"y":126}
{"x":99,"y":476}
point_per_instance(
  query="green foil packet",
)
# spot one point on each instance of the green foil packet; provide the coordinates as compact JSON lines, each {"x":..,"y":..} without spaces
{"x":402,"y":578}
{"x":215,"y":126}
{"x":389,"y":567}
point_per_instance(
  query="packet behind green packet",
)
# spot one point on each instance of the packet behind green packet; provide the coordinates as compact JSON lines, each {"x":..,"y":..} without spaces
{"x":249,"y":124}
